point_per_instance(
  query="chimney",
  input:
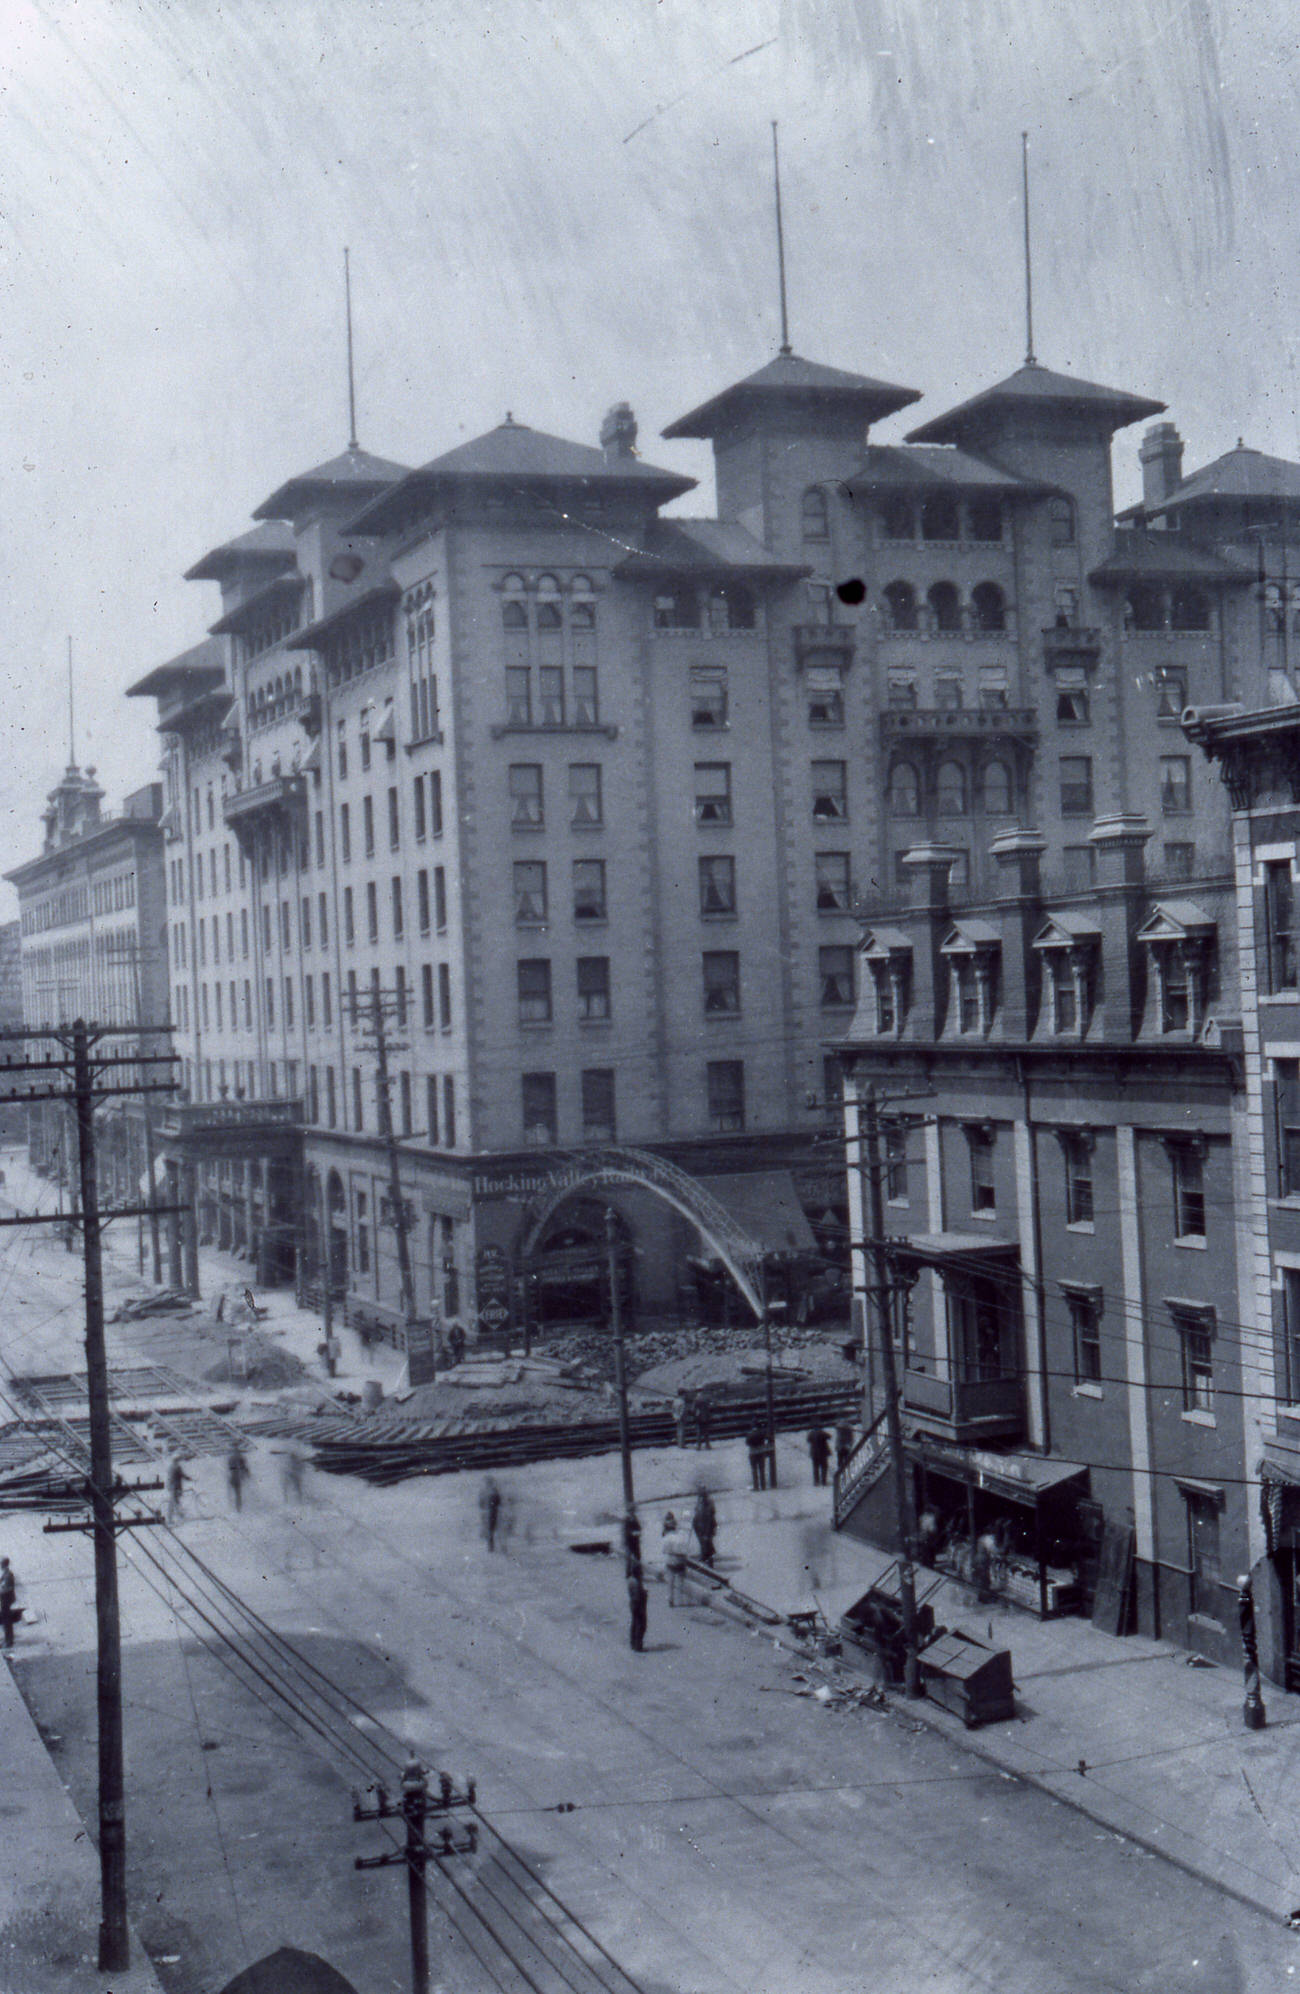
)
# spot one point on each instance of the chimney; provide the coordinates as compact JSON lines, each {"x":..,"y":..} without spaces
{"x":618,"y":433}
{"x":929,"y":867}
{"x":1018,"y":856}
{"x":1120,"y":844}
{"x":1161,"y":457}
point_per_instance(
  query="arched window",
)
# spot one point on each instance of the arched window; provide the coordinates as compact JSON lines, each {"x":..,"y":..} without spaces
{"x":548,"y":616}
{"x":940,"y":517}
{"x":581,"y":585}
{"x":514,"y":616}
{"x":950,"y":790}
{"x":1189,"y":608}
{"x":904,"y":791}
{"x":814,"y":520}
{"x":900,"y":605}
{"x":1145,"y":607}
{"x":945,"y":606}
{"x":513,"y":585}
{"x":1060,"y":521}
{"x":997,"y":789}
{"x":548,"y":585}
{"x":990,"y":606}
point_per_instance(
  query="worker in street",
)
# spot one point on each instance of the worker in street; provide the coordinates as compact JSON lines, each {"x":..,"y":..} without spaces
{"x":631,"y":1539}
{"x":637,"y":1608}
{"x":704,"y":1523}
{"x":9,"y":1609}
{"x":819,"y":1452}
{"x":676,"y":1549}
{"x":756,"y":1447}
{"x":238,"y":1473}
{"x":681,"y":1412}
{"x":843,"y":1444}
{"x":489,"y":1505}
{"x":704,"y":1422}
{"x":176,"y":1479}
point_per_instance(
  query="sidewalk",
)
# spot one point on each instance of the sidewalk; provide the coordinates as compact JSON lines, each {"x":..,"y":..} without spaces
{"x":1167,"y":1761}
{"x":49,"y":1879}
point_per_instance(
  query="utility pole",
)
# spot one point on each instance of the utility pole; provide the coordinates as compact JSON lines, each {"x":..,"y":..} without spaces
{"x":38,"y":1079}
{"x":414,"y":1808}
{"x":377,"y":1020}
{"x":620,"y":1356}
{"x":879,"y":1291}
{"x":768,"y":1307}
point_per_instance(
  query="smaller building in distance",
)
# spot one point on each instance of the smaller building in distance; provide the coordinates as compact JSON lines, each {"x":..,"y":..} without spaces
{"x":93,"y":945}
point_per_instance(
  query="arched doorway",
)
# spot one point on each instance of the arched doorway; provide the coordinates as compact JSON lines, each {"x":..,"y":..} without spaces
{"x":568,"y":1270}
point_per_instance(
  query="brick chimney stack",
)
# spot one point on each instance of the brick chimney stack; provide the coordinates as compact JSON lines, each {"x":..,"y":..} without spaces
{"x":1161,"y":457}
{"x":618,"y":433}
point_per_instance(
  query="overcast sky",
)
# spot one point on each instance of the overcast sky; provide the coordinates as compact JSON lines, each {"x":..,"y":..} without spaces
{"x":555,"y":204}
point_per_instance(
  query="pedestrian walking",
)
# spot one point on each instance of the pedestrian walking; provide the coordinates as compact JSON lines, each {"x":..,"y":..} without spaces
{"x":704,"y":1423}
{"x":637,"y":1608}
{"x":238,"y":1473}
{"x":489,"y":1504}
{"x":843,"y":1444}
{"x":456,"y":1339}
{"x":676,"y":1550}
{"x":756,"y":1446}
{"x":704,"y":1523}
{"x":680,"y":1410}
{"x":819,"y":1451}
{"x":631,"y":1539}
{"x":10,"y":1612}
{"x":176,"y":1479}
{"x":292,"y":1473}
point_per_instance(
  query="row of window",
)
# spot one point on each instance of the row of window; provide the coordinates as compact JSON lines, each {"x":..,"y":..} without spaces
{"x":942,"y":611}
{"x":716,"y":886}
{"x":724,"y":1091}
{"x":560,"y":700}
{"x":215,"y":1013}
{"x":720,"y":984}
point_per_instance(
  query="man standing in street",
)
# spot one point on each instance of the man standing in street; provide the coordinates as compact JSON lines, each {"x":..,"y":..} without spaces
{"x":637,"y":1605}
{"x":819,"y":1450}
{"x":489,"y":1503}
{"x":705,"y":1524}
{"x":756,"y":1447}
{"x":8,"y":1601}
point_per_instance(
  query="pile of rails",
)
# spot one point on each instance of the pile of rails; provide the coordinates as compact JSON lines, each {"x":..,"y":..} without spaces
{"x":385,"y":1447}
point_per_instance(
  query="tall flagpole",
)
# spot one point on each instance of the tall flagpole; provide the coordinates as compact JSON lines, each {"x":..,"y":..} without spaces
{"x":1030,"y":361}
{"x":352,"y":386}
{"x":780,"y":241}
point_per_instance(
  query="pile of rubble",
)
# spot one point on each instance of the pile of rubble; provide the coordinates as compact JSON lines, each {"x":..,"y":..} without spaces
{"x":588,"y":1353}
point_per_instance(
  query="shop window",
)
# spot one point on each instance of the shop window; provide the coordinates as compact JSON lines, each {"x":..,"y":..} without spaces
{"x":708,"y":696}
{"x":713,"y":792}
{"x":830,"y":792}
{"x":1204,"y":1555}
{"x":725,"y":1081}
{"x":1084,"y":1304}
{"x":940,"y":517}
{"x":814,"y":520}
{"x":1279,"y":920}
{"x":945,"y":607}
{"x":1076,"y":785}
{"x":538,"y":1092}
{"x":717,"y":885}
{"x":721,"y":969}
{"x":534,"y":982}
{"x":897,"y":518}
{"x":900,"y":606}
{"x":984,"y":518}
{"x":990,"y":607}
{"x":1195,"y":1327}
{"x":835,"y":974}
{"x":904,"y":790}
{"x":1060,"y":521}
{"x":832,"y":877}
{"x":1286,"y":1097}
{"x":1175,"y":785}
{"x":593,"y":987}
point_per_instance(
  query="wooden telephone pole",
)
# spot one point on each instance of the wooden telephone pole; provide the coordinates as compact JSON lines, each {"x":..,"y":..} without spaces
{"x":372,"y":1015}
{"x":74,"y":1074}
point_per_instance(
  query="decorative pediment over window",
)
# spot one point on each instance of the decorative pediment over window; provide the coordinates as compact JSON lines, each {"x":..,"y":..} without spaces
{"x":883,"y":943}
{"x":1177,"y":921}
{"x":972,"y":948}
{"x":972,"y":938}
{"x":1068,"y":943}
{"x":1067,"y":931}
{"x":1179,"y":935}
{"x":887,"y":953}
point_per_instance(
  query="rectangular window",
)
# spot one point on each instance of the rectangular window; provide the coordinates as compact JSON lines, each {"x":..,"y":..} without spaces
{"x":306,"y":923}
{"x":444,"y":996}
{"x":948,"y":695}
{"x":286,"y":928}
{"x":1279,"y":918}
{"x":519,"y":696}
{"x":1078,"y":1178}
{"x":586,"y":706}
{"x":830,"y":792}
{"x":725,"y":1079}
{"x":593,"y":986}
{"x":1188,"y":1161}
{"x":345,"y":832}
{"x":1175,"y":785}
{"x":550,"y":680}
{"x":395,"y":894}
{"x":440,"y":898}
{"x":1076,"y":785}
{"x":1291,"y":1333}
{"x":394,"y":822}
{"x":713,"y":792}
{"x":435,"y":813}
{"x":322,"y":921}
{"x":589,"y":890}
{"x":431,"y":1109}
{"x":526,"y":795}
{"x":1171,"y":693}
{"x":708,"y":696}
{"x":1286,"y":1095}
{"x":243,"y":933}
{"x":598,"y":1104}
{"x":538,"y":1091}
{"x":1196,"y":1335}
{"x":421,"y":824}
{"x":368,"y":824}
{"x":530,"y":891}
{"x":1073,"y":706}
{"x":331,"y":1099}
{"x":1179,"y":861}
{"x":426,"y":994}
{"x":1204,"y":1555}
{"x":313,"y":1094}
{"x":721,"y":983}
{"x":1084,"y":1305}
{"x":584,"y":793}
{"x":404,"y":1100}
{"x":449,"y":1111}
{"x":372,"y":910}
{"x":358,"y":1116}
{"x":534,"y":983}
{"x":983,"y":1187}
{"x":399,"y":995}
{"x":270,"y":1000}
{"x":365,"y":746}
{"x":835,"y":974}
{"x":422,"y":899}
{"x":288,"y":1001}
{"x":895,"y":1162}
{"x":717,"y":885}
{"x":326,"y":1007}
{"x":824,"y":688}
{"x":308,"y":1000}
{"x":832,"y":876}
{"x":343,"y":750}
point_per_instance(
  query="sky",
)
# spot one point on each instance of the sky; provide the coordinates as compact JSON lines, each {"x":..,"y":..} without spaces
{"x":552,"y":205}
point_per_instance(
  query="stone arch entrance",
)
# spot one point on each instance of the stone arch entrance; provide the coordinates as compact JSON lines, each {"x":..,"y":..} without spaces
{"x":585,"y":1172}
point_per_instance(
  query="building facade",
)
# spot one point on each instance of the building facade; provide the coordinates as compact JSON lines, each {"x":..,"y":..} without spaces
{"x":92,"y":945}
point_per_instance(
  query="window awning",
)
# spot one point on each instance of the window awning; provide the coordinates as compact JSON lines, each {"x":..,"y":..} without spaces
{"x":1025,"y":1478}
{"x":765,"y":1204}
{"x":887,"y":941}
{"x":932,"y":1249}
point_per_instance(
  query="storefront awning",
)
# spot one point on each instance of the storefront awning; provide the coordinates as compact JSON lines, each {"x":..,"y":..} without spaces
{"x":932,"y":1249}
{"x":765,"y":1204}
{"x":1025,"y":1478}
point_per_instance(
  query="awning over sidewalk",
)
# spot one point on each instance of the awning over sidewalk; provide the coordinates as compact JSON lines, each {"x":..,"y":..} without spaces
{"x":1023,"y":1478}
{"x":936,"y":1249}
{"x":765,"y":1204}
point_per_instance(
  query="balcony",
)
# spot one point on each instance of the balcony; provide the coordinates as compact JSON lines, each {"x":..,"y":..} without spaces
{"x":962,"y":723}
{"x":965,"y":1409}
{"x":1071,"y":646}
{"x":249,"y":812}
{"x":820,"y":639}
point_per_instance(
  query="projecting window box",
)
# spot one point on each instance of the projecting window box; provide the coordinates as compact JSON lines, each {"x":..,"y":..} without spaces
{"x":1085,"y":1389}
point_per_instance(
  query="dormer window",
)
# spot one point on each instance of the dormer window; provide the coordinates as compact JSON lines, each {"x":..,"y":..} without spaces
{"x":1179,"y":935}
{"x":973,"y":950}
{"x":1067,"y":945}
{"x":887,"y":954}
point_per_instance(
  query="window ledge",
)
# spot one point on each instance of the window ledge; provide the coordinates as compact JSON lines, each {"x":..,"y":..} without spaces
{"x":594,"y":1024}
{"x":715,"y":917}
{"x":1290,"y":1203}
{"x":536,"y":1024}
{"x":585,"y":921}
{"x":436,"y":740}
{"x":1085,"y":1389}
{"x":721,"y":1017}
{"x":710,"y":726}
{"x":1195,"y":1417}
{"x":504,"y":727}
{"x":1279,"y":997}
{"x":1195,"y":1240}
{"x":585,"y":825}
{"x":1081,"y":1225}
{"x":987,"y":1213}
{"x":901,"y":1203}
{"x":533,"y":830}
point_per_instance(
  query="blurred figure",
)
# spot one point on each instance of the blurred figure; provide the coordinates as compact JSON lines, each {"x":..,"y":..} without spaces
{"x":680,"y":1410}
{"x":176,"y":1479}
{"x":819,"y":1452}
{"x":489,"y":1505}
{"x":238,"y":1473}
{"x":704,"y":1423}
{"x":676,"y":1550}
{"x":843,"y":1444}
{"x":508,"y":1518}
{"x":292,"y":1473}
{"x":756,"y":1447}
{"x":456,"y":1341}
{"x":9,"y":1610}
{"x":631,"y":1538}
{"x":637,"y":1609}
{"x":704,"y":1523}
